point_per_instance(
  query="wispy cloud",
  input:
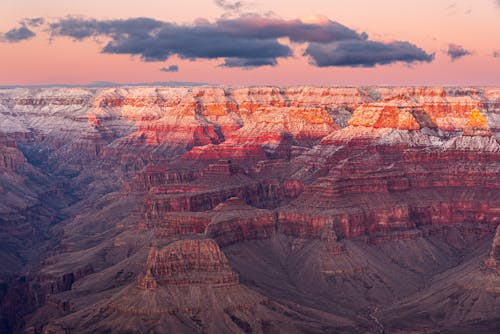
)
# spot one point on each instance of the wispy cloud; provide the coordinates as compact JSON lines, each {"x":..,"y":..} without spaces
{"x":230,"y":5}
{"x":496,"y":54}
{"x":171,"y":68}
{"x":33,"y":22}
{"x":456,"y":51}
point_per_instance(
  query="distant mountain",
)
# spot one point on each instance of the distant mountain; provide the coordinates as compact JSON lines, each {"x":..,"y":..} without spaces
{"x":99,"y":84}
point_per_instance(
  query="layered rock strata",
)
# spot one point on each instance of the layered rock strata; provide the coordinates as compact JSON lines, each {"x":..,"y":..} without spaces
{"x":211,"y":209}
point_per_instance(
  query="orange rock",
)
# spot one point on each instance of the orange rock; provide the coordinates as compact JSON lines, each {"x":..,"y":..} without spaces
{"x":476,"y":125}
{"x":384,"y":116}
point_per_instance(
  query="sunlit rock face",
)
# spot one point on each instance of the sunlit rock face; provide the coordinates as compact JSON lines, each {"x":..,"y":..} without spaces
{"x":384,"y":116}
{"x":259,"y":209}
{"x":477,"y":125}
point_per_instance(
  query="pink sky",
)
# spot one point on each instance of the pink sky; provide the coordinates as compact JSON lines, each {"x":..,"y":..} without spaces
{"x":430,"y":25}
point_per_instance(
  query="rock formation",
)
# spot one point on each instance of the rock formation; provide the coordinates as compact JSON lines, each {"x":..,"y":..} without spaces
{"x":493,"y":261}
{"x":261,"y":209}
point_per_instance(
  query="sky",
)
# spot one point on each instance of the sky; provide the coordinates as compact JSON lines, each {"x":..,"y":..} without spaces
{"x":254,"y":42}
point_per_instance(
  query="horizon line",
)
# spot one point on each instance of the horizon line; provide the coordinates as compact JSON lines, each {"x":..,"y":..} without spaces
{"x":109,"y":84}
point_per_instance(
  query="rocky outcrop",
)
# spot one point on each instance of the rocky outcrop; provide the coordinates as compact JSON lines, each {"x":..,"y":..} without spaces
{"x":217,"y":183}
{"x":384,"y":116}
{"x":11,"y":159}
{"x":476,"y":125}
{"x":234,"y":221}
{"x":493,"y":261}
{"x":187,"y":262}
{"x":52,"y":285}
{"x":161,"y":174}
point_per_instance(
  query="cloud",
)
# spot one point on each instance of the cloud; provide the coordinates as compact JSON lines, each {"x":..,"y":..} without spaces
{"x":310,"y":29}
{"x":81,"y":28}
{"x":365,"y":53}
{"x":247,"y":41}
{"x":229,"y":5}
{"x":33,"y":22}
{"x":456,"y":51}
{"x":496,"y":54}
{"x":171,"y":68}
{"x":154,"y":40}
{"x":249,"y":63}
{"x":18,"y":34}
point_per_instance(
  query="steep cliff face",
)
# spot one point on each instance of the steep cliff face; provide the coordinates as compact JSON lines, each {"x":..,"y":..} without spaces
{"x":494,"y":256}
{"x":257,"y":209}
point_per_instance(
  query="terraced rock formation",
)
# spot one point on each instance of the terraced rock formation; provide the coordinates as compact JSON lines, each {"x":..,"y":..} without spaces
{"x":254,"y":210}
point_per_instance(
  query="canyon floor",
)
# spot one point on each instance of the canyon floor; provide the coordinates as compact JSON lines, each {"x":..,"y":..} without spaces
{"x":250,"y":210}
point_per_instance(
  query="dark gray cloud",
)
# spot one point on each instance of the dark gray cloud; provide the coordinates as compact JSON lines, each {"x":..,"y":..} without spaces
{"x":81,"y":28}
{"x":365,"y":53}
{"x":154,"y":40}
{"x":171,"y":68}
{"x":252,"y":26}
{"x":249,"y":63}
{"x":247,"y":41}
{"x":196,"y":44}
{"x":18,"y":34}
{"x":296,"y":30}
{"x":456,"y":51}
{"x":230,"y":5}
{"x":253,"y":38}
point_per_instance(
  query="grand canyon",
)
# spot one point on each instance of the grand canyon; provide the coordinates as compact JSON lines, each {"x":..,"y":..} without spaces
{"x":250,"y":210}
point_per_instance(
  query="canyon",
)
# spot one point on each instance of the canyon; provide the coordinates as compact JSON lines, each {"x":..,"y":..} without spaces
{"x":250,"y":210}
